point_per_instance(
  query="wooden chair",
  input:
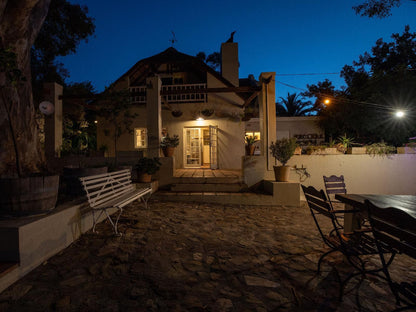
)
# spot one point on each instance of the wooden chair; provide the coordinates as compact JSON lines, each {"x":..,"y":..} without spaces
{"x":334,"y":185}
{"x":397,"y":229}
{"x":354,"y":246}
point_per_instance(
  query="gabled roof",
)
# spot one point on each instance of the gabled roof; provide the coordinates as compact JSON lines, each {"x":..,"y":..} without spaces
{"x":171,"y":56}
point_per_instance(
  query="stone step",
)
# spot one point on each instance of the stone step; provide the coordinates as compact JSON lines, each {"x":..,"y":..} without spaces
{"x":217,"y":197}
{"x":209,"y":187}
{"x":206,"y":180}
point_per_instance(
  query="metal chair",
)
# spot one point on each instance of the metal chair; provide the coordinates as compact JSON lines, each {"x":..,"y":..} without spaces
{"x":354,"y":246}
{"x":397,"y":229}
{"x":334,"y":185}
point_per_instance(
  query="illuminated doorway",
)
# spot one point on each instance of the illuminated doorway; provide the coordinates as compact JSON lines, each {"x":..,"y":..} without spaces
{"x":201,"y":147}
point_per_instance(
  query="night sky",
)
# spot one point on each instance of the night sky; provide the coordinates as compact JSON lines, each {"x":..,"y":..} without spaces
{"x":287,"y":37}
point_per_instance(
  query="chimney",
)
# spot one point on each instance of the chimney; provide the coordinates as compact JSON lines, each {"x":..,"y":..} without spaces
{"x":229,"y":62}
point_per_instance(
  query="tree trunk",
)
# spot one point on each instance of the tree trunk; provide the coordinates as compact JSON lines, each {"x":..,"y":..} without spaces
{"x":20,"y":152}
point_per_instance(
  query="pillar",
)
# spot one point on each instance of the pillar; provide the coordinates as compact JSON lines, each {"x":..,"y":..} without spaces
{"x":267,"y":115}
{"x":153,"y":115}
{"x":53,"y":123}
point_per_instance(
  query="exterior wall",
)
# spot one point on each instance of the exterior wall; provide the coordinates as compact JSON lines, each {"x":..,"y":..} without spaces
{"x":230,"y":135}
{"x":290,"y":125}
{"x":363,"y":173}
{"x":217,"y":100}
{"x":298,"y":126}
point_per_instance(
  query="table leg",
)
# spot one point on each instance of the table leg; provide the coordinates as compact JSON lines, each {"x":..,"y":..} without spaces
{"x":352,"y":221}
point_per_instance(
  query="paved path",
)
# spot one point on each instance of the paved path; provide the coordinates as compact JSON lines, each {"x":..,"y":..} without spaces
{"x":197,"y":257}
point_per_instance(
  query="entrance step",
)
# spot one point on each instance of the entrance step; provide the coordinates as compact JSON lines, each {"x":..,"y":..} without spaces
{"x":217,"y":197}
{"x":209,"y":187}
{"x":7,"y":267}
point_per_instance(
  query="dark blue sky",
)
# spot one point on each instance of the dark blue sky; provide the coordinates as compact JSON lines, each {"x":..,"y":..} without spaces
{"x":287,"y":37}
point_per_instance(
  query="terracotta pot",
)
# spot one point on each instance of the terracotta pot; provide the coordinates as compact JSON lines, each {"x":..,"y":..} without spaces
{"x":250,"y":150}
{"x":144,"y":177}
{"x":281,"y":173}
{"x":168,"y":151}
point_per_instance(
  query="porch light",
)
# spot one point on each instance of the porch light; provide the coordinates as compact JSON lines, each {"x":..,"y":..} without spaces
{"x":200,"y":119}
{"x":399,"y":114}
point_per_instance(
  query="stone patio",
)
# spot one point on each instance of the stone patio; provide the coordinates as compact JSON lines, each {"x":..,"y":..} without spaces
{"x":199,"y":257}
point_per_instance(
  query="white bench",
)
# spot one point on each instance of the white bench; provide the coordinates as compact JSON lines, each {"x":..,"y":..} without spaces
{"x":112,"y":190}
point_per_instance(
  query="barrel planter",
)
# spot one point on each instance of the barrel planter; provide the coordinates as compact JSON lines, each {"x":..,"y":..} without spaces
{"x":71,"y":175}
{"x":28,"y":196}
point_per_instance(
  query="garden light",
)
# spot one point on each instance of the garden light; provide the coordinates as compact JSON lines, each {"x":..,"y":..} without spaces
{"x":399,"y":114}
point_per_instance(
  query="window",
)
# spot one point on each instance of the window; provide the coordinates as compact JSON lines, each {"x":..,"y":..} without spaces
{"x":140,"y":138}
{"x":256,"y":135}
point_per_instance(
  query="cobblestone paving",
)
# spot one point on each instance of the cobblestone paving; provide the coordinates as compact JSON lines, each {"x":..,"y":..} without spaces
{"x":198,"y":257}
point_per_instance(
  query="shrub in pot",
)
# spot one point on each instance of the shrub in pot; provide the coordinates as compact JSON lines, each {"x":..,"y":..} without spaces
{"x":146,"y":167}
{"x":168,"y":145}
{"x":282,"y":150}
{"x":250,"y":147}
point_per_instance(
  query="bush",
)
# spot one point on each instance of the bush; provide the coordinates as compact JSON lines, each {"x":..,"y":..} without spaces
{"x":282,"y":150}
{"x":148,"y":165}
{"x":168,"y":141}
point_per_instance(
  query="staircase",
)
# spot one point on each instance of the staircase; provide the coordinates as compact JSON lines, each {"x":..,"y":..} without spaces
{"x":211,"y":186}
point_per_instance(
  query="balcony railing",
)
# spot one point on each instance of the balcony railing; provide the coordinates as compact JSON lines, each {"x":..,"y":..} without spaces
{"x":139,"y":94}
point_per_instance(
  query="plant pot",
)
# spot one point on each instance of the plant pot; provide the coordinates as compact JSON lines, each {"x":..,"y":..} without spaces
{"x":207,"y":112}
{"x":298,"y":151}
{"x":281,"y":173}
{"x":144,"y":177}
{"x":71,"y":177}
{"x":177,"y":113}
{"x":28,"y":196}
{"x":168,"y":151}
{"x":250,"y":149}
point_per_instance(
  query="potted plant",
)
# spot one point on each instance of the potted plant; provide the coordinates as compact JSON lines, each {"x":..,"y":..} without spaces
{"x":207,"y":112}
{"x":146,"y":167}
{"x":250,"y":147}
{"x":282,"y":150}
{"x":168,"y":145}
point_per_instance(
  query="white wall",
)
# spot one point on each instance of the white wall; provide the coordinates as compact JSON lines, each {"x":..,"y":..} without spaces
{"x":363,"y":173}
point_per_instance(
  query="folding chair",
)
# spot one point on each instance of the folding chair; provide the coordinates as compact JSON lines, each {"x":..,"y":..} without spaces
{"x":334,"y":185}
{"x":354,"y":246}
{"x":397,"y":229}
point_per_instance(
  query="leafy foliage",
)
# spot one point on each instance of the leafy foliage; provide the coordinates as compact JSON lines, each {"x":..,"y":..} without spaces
{"x":168,"y":141}
{"x":213,"y":60}
{"x":378,"y":84}
{"x":65,"y":26}
{"x":114,"y":107}
{"x":148,"y":165}
{"x":282,"y":150}
{"x":376,"y":8}
{"x":293,"y":106}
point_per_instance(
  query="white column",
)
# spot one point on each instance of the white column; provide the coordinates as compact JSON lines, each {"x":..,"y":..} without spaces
{"x":153,"y":115}
{"x":267,"y":115}
{"x":53,"y":123}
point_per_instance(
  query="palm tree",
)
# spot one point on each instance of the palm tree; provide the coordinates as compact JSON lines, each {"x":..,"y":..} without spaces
{"x":293,"y":106}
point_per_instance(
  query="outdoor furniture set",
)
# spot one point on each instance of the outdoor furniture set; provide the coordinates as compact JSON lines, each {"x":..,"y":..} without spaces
{"x":112,"y":190}
{"x":392,"y":231}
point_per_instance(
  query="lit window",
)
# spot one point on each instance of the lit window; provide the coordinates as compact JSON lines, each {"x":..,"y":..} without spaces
{"x":256,"y":135}
{"x":140,"y":138}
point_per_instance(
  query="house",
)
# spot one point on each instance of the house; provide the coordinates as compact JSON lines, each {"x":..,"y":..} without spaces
{"x":175,"y":93}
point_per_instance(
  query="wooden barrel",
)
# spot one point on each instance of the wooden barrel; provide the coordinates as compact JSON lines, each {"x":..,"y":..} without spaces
{"x":28,"y":196}
{"x":71,"y":176}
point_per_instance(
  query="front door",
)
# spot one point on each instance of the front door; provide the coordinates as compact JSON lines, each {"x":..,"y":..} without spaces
{"x":200,"y":147}
{"x":192,"y":148}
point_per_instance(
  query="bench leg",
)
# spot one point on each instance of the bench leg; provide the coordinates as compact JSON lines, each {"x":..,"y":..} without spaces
{"x":94,"y":220}
{"x":114,"y":224}
{"x":144,"y":200}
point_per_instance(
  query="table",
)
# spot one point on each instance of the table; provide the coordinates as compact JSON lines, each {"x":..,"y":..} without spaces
{"x":407,"y":203}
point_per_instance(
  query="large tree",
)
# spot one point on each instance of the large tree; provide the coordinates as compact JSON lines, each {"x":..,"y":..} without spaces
{"x":292,"y":105}
{"x":20,"y":23}
{"x":377,"y":8}
{"x":378,"y":84}
{"x":65,"y":26}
